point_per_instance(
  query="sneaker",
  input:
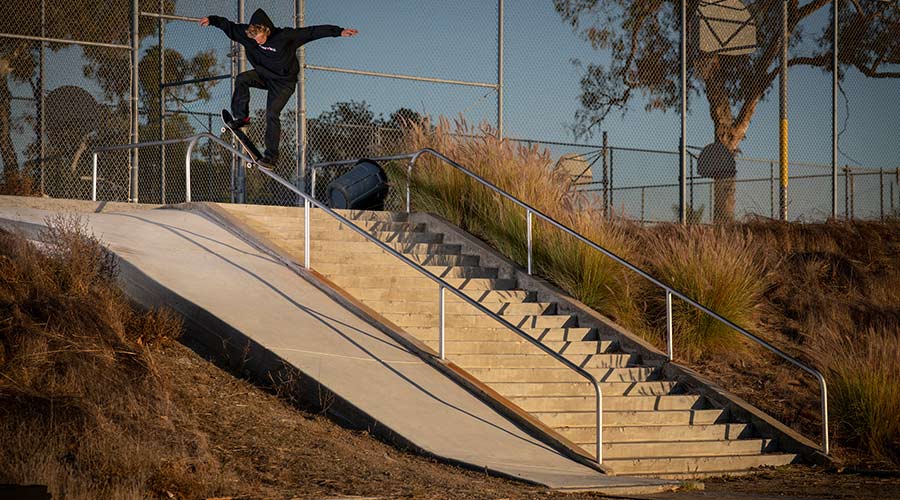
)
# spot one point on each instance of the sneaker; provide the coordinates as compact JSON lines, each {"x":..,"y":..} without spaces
{"x":267,"y":162}
{"x":237,"y":123}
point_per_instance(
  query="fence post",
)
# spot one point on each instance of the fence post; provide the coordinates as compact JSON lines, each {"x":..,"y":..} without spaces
{"x":642,"y":208}
{"x":881,"y":191}
{"x":682,"y":147}
{"x":846,"y":192}
{"x":892,"y":198}
{"x":500,"y":69}
{"x":240,"y":169}
{"x":300,"y":104}
{"x":771,"y":190}
{"x":834,"y":104}
{"x":135,"y":61}
{"x":42,"y":107}
{"x":852,"y":196}
{"x":605,"y":175}
{"x":611,"y":203}
{"x":693,"y":217}
{"x":161,"y":26}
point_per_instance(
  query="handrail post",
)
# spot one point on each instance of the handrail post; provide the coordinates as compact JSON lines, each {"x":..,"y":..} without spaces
{"x":824,"y":390}
{"x":599,"y":422}
{"x":187,"y":170}
{"x":528,"y":230}
{"x":669,"y":324}
{"x":441,"y":322}
{"x":94,"y":180}
{"x":408,"y":180}
{"x":306,"y":208}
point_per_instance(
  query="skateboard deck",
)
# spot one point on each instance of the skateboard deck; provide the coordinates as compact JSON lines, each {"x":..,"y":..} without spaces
{"x":242,"y":138}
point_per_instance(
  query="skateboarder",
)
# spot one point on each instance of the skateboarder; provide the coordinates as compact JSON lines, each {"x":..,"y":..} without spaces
{"x":271,"y":51}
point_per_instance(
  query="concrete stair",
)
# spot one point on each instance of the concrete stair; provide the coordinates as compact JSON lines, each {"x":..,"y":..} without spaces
{"x":651,"y":426}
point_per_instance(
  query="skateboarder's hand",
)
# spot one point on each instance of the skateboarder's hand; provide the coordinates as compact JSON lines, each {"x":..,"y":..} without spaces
{"x":204,"y":22}
{"x":349,"y":32}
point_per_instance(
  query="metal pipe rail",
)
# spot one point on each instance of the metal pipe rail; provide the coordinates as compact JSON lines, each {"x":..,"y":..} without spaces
{"x":309,"y":201}
{"x":191,"y":140}
{"x":670,"y":291}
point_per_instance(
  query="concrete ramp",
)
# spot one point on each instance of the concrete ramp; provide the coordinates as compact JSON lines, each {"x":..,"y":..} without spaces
{"x":183,"y":260}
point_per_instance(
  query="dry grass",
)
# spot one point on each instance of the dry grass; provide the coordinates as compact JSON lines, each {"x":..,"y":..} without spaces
{"x":527,"y":173}
{"x":83,"y":408}
{"x":723,"y":270}
{"x":864,"y":374}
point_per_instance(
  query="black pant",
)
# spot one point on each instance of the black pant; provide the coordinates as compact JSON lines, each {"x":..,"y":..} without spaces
{"x":277,"y":97}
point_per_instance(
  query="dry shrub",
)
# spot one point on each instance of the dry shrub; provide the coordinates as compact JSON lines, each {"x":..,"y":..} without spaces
{"x":722,"y":270}
{"x":527,"y":173}
{"x":863,"y":372}
{"x":83,"y":408}
{"x":14,"y":183}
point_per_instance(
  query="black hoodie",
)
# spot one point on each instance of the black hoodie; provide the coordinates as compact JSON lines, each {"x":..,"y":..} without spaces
{"x":276,"y":60}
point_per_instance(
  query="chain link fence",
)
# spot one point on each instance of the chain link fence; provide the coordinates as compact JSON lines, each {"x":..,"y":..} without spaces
{"x":596,"y":84}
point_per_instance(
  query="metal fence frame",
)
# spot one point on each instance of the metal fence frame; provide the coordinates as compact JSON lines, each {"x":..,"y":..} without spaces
{"x":686,"y":179}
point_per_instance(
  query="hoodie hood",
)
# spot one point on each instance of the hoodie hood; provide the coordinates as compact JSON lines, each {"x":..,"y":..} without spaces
{"x":260,"y":17}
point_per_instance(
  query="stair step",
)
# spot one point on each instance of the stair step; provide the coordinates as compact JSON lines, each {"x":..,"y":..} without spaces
{"x":568,"y":335}
{"x":459,"y":307}
{"x":636,"y":391}
{"x":282,"y":211}
{"x":340,"y":256}
{"x":364,"y":247}
{"x":424,"y":285}
{"x":482,"y":296}
{"x":400,"y":269}
{"x":677,"y":433}
{"x":699,"y":466}
{"x":292,"y":224}
{"x":407,"y":319}
{"x":539,"y":359}
{"x":343,"y":233}
{"x":587,"y":403}
{"x":514,"y":345}
{"x":563,"y":374}
{"x":671,"y":449}
{"x":633,"y":418}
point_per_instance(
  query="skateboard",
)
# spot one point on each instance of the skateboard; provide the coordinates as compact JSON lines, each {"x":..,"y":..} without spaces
{"x":242,"y":139}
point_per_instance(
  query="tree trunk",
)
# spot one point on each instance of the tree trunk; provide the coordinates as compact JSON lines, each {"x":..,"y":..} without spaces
{"x":7,"y":150}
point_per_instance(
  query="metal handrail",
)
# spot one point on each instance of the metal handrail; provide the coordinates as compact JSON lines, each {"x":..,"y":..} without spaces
{"x":309,"y":201}
{"x":191,"y":140}
{"x":670,"y":291}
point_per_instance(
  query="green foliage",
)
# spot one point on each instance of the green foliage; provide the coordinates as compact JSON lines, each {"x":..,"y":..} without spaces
{"x":352,"y":130}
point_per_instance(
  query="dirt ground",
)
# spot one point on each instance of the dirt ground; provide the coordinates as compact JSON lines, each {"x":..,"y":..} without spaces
{"x":269,"y":449}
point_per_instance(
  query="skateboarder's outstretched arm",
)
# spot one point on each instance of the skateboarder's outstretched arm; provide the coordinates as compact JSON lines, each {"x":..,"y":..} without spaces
{"x":300,"y":36}
{"x":234,"y":31}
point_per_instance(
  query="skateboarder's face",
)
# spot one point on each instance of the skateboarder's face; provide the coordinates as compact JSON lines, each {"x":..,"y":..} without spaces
{"x":261,"y":38}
